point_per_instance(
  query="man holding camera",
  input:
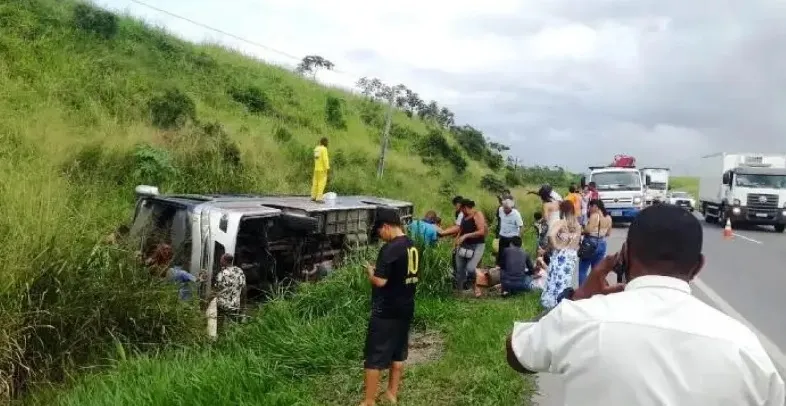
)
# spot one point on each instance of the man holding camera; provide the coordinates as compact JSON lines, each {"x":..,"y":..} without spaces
{"x":648,"y":342}
{"x":393,"y":283}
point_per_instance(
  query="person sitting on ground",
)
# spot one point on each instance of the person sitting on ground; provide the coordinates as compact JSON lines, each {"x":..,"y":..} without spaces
{"x":517,"y":269}
{"x":648,"y":342}
{"x":425,"y":229}
{"x":161,"y":265}
{"x":486,"y":278}
{"x":229,"y":285}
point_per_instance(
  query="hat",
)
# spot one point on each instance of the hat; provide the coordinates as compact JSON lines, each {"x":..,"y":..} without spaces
{"x":386,"y":216}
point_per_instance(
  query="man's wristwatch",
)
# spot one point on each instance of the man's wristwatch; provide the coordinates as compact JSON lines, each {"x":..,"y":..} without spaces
{"x":566,"y":294}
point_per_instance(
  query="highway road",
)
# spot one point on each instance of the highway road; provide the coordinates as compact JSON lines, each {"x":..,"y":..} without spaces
{"x":744,"y":277}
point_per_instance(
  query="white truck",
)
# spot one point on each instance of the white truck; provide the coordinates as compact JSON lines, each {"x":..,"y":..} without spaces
{"x":745,"y":188}
{"x":620,"y":188}
{"x":658,"y":186}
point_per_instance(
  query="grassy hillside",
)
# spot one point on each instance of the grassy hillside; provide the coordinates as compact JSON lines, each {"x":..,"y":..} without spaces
{"x":92,"y":105}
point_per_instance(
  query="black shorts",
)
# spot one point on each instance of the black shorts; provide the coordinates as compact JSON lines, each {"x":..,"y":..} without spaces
{"x":387,"y":341}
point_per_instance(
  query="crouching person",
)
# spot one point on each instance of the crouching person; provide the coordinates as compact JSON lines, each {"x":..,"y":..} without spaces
{"x":517,"y":269}
{"x":230,"y":284}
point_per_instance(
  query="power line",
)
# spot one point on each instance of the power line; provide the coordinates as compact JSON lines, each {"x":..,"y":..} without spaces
{"x":237,"y":37}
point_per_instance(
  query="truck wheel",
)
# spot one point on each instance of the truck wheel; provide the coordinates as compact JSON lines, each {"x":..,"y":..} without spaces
{"x":780,"y":227}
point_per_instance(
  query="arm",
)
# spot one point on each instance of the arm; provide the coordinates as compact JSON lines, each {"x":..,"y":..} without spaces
{"x":452,"y":230}
{"x":608,"y":233}
{"x":554,"y":230}
{"x":326,"y":158}
{"x":527,"y":349}
{"x":528,"y":263}
{"x":378,"y":275}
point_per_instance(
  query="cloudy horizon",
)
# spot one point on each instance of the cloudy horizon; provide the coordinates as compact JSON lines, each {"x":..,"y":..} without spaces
{"x":564,"y":82}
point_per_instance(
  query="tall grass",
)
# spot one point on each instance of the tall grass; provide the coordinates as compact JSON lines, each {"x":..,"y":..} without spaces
{"x":306,"y":350}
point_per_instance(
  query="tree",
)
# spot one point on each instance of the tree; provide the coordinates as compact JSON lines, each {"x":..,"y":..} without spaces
{"x":500,"y":148}
{"x":311,"y":63}
{"x":446,"y":118}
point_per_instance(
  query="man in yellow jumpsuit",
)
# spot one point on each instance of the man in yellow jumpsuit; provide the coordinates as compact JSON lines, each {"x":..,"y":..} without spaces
{"x":321,"y":168}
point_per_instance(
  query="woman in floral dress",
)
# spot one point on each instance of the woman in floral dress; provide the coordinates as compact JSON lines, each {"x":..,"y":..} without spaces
{"x":564,"y":239}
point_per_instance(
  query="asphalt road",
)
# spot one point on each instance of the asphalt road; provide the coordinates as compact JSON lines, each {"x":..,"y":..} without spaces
{"x":744,"y":277}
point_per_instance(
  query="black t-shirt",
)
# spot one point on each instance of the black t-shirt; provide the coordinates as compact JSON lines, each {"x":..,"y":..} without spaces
{"x":398,"y":262}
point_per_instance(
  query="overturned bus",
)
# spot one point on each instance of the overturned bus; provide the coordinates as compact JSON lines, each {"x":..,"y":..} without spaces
{"x":273,"y":238}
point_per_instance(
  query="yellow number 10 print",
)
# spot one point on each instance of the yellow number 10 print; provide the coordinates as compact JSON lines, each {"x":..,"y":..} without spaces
{"x":412,"y":265}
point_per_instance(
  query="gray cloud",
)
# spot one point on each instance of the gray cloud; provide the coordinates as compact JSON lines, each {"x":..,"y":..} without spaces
{"x":703,"y":76}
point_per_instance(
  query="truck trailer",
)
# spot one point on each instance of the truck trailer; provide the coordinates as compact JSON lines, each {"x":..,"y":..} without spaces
{"x":744,"y":188}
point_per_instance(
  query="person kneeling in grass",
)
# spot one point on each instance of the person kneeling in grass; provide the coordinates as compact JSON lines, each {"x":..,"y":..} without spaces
{"x":393,"y":283}
{"x":517,"y":269}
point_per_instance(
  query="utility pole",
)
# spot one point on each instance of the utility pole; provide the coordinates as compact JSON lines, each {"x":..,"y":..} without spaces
{"x":385,"y":135}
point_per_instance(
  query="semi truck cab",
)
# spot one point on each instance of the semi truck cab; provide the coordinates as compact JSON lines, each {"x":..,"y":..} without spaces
{"x":659,"y":184}
{"x":756,"y":196}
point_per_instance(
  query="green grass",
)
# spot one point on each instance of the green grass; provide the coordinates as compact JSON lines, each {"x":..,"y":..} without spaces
{"x":83,"y":119}
{"x":686,"y":184}
{"x":307,"y":351}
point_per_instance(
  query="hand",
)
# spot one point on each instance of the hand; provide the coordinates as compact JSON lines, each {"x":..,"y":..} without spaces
{"x":202,"y":276}
{"x":596,"y":283}
{"x":458,"y":241}
{"x":370,"y":269}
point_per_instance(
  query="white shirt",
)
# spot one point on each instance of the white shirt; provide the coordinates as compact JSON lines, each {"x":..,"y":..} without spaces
{"x":653,"y":344}
{"x":459,"y":218}
{"x":555,"y":196}
{"x":510,"y":224}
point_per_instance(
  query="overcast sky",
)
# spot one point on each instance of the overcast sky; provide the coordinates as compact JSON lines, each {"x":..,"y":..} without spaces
{"x":563,"y":82}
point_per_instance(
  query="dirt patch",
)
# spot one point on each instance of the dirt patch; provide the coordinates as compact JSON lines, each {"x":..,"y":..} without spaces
{"x":424,"y":347}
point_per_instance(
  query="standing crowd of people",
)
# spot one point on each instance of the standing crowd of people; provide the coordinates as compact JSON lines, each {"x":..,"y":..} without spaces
{"x":647,"y":341}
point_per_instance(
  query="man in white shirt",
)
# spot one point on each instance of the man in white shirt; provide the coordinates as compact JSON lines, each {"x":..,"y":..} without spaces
{"x":510,"y":223}
{"x":649,"y":342}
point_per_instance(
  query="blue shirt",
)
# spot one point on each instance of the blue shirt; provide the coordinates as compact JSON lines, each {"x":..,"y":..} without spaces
{"x":178,"y":275}
{"x":423,"y":230}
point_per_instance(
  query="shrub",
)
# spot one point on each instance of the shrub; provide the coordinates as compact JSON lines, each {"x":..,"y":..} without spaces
{"x":227,"y":149}
{"x":494,"y":161}
{"x":334,"y":115}
{"x":435,"y":144}
{"x":255,"y":100}
{"x":95,"y":20}
{"x":152,"y":165}
{"x":403,"y":132}
{"x":282,"y":134}
{"x":446,"y":189}
{"x":512,"y":179}
{"x":492,"y":183}
{"x":172,"y":109}
{"x":371,"y":114}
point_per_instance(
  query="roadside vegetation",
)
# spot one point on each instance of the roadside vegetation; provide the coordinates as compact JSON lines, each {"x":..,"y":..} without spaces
{"x":94,"y":103}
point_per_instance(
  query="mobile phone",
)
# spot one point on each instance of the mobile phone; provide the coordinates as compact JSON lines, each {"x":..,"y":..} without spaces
{"x":621,"y":268}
